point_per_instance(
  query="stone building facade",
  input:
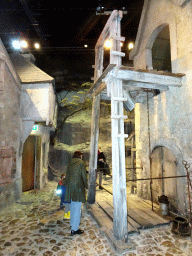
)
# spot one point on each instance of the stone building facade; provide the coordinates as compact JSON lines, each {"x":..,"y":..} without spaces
{"x":163,"y":126}
{"x":10,"y":130}
{"x":27,"y":115}
{"x":38,"y":112}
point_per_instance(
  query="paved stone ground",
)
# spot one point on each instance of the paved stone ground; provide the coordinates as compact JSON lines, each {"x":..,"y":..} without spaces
{"x":35,"y":226}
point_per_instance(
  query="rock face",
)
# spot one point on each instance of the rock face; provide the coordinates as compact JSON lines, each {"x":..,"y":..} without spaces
{"x":75,"y":135}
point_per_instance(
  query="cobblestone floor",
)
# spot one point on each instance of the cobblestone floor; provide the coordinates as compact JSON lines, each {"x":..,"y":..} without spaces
{"x":35,"y":226}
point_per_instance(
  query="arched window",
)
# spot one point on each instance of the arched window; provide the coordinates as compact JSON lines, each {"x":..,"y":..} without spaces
{"x":161,"y":54}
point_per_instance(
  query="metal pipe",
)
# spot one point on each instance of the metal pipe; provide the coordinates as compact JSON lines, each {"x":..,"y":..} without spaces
{"x":187,"y":166}
{"x":170,"y":177}
{"x":135,"y":168}
{"x":125,"y":168}
{"x":151,"y":193}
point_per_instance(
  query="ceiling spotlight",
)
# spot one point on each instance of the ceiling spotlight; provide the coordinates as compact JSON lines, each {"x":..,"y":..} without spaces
{"x":16,"y":44}
{"x":37,"y":45}
{"x":23,"y":44}
{"x":100,"y":9}
{"x":130,"y":45}
{"x":107,"y":44}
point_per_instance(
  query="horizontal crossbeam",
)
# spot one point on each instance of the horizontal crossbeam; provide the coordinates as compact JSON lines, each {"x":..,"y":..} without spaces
{"x":135,"y":85}
{"x":147,"y":77}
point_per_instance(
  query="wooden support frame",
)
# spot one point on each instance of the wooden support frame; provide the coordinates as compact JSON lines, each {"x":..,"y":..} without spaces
{"x":93,"y":148}
{"x":124,"y":86}
{"x":115,"y":89}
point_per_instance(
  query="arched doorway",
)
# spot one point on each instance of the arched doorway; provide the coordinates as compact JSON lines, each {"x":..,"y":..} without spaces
{"x":163,"y":164}
{"x":161,"y":54}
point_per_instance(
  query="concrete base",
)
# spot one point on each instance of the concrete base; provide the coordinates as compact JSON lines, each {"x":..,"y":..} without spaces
{"x":106,"y":226}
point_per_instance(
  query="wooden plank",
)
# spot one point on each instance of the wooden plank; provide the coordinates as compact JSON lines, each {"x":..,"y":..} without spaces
{"x":146,"y":77}
{"x":152,"y":71}
{"x":134,"y":224}
{"x":109,"y":209}
{"x":149,"y":203}
{"x":99,"y":81}
{"x":137,"y":216}
{"x":146,"y":213}
{"x":141,"y":209}
{"x":138,"y":201}
{"x":100,"y":217}
{"x":99,"y":90}
{"x":159,"y":219}
{"x":144,"y":207}
{"x":136,"y":84}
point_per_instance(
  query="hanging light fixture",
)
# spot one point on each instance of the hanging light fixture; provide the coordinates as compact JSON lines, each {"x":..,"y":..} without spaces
{"x":108,"y":44}
{"x":130,"y":45}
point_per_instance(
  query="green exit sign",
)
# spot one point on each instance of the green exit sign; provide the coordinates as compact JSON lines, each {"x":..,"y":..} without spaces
{"x":35,"y":128}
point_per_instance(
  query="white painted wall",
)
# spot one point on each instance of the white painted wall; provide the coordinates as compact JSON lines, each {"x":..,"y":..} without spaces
{"x":38,"y":102}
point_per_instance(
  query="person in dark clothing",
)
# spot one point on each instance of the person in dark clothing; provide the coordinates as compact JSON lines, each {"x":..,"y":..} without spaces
{"x":102,"y":167}
{"x":76,"y":183}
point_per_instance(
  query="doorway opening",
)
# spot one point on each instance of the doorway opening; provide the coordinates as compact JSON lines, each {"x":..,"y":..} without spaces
{"x":31,"y":163}
{"x":163,"y":164}
{"x":161,"y":52}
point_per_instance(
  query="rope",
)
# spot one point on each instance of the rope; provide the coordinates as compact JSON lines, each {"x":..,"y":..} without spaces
{"x":149,"y":149}
{"x":149,"y":128}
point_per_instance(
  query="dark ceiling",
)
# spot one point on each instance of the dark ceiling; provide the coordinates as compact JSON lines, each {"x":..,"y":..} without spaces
{"x":63,"y":23}
{"x":63,"y":28}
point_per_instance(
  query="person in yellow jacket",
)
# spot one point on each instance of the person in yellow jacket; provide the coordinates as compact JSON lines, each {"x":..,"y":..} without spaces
{"x":76,"y":183}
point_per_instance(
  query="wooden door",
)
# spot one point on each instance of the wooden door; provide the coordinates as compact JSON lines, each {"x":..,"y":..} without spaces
{"x":28,"y":163}
{"x":163,"y":164}
{"x":170,"y":185}
{"x":156,"y":171}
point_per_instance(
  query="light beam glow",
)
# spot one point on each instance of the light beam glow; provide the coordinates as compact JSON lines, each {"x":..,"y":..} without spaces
{"x":107,"y":44}
{"x":16,"y":44}
{"x":130,"y":45}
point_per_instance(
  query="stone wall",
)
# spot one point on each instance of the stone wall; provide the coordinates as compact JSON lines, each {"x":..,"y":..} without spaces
{"x":10,"y":134}
{"x":170,"y":114}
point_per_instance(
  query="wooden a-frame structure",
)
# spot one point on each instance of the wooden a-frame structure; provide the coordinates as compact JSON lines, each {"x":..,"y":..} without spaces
{"x":124,"y":86}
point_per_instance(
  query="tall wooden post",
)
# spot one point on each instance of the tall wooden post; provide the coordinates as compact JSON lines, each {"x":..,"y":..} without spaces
{"x":118,"y":136}
{"x":93,"y":148}
{"x":115,"y":89}
{"x":95,"y":128}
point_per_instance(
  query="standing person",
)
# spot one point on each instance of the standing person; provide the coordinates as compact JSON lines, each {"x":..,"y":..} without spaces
{"x":76,"y":183}
{"x":102,"y":166}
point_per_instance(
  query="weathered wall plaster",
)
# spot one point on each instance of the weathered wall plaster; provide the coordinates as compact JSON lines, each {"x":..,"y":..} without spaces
{"x":169,"y":113}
